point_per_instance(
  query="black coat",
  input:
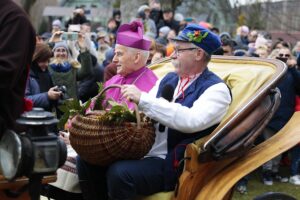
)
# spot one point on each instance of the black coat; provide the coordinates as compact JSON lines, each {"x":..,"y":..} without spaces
{"x":289,"y":88}
{"x":17,"y":45}
{"x":38,"y":85}
{"x":173,"y":24}
{"x":87,"y":87}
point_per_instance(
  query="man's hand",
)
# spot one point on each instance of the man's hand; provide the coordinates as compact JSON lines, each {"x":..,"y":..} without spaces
{"x":132,"y":93}
{"x":291,"y":63}
{"x":53,"y":94}
{"x":81,"y":42}
{"x":65,"y":137}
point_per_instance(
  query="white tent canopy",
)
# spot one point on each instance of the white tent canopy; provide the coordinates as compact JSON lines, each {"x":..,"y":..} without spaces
{"x":68,"y":11}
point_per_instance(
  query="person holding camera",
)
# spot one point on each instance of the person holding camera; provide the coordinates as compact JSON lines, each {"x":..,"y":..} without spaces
{"x":64,"y":70}
{"x":65,"y":73}
{"x":40,"y":88}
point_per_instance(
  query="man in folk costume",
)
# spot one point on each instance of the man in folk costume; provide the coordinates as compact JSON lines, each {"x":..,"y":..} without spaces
{"x":131,"y":54}
{"x":199,"y":100}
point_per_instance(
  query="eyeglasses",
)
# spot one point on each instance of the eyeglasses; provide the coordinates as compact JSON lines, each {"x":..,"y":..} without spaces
{"x":177,"y":51}
{"x":284,"y":55}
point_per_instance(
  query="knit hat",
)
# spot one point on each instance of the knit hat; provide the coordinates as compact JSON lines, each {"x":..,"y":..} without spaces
{"x":143,"y":8}
{"x":102,"y":34}
{"x":164,"y":30}
{"x":46,"y":35}
{"x":225,"y":35}
{"x":61,"y":44}
{"x":260,"y":41}
{"x":57,"y":23}
{"x":131,"y":35}
{"x":245,"y":29}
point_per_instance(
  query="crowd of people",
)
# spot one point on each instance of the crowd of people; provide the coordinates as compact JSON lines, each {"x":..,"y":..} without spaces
{"x":69,"y":60}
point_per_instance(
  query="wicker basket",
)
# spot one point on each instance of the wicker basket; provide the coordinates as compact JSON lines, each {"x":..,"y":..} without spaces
{"x":101,"y":143}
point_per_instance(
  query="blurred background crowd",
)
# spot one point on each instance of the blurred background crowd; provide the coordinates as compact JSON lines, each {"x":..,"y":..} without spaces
{"x":80,"y":40}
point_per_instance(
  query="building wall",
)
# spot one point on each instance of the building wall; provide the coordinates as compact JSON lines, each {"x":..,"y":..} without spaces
{"x":281,"y":19}
{"x":275,"y":16}
{"x":103,"y":12}
{"x":284,"y":16}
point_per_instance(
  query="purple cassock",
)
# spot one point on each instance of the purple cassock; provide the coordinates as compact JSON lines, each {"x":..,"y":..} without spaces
{"x":144,"y":79}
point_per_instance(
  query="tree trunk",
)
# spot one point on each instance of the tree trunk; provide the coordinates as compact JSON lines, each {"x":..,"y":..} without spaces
{"x":27,"y":4}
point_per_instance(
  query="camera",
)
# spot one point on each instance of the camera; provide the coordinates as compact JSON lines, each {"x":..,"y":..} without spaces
{"x":63,"y":90}
{"x":69,"y":36}
{"x":64,"y":96}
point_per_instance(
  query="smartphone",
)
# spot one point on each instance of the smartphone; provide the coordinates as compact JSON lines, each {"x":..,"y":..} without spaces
{"x":69,"y":36}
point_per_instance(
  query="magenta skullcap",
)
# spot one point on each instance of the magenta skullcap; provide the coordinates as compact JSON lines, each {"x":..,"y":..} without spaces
{"x":132,"y":35}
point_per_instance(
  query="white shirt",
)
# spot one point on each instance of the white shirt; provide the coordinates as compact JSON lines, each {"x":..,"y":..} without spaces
{"x":207,"y":110}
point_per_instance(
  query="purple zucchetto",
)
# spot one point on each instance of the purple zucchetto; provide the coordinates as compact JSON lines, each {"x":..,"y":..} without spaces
{"x":132,"y":35}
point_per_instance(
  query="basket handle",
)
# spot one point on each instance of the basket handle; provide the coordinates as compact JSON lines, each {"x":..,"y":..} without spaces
{"x":136,"y":109}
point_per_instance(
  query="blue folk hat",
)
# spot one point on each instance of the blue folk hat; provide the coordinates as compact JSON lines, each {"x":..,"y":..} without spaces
{"x":200,"y":36}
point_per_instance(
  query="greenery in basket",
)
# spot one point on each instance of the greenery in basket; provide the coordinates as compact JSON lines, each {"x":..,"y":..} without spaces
{"x":71,"y":108}
{"x":118,"y":113}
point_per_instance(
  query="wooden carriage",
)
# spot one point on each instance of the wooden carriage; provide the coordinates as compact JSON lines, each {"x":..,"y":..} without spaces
{"x":215,"y":163}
